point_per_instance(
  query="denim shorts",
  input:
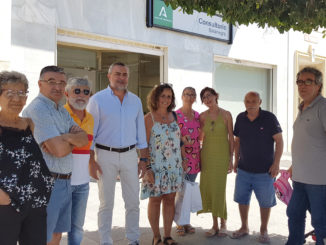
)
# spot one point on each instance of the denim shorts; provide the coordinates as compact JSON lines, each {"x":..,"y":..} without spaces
{"x":59,"y":208}
{"x":260,"y":183}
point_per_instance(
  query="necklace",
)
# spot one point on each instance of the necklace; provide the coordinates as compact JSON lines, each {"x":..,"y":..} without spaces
{"x":164,"y":118}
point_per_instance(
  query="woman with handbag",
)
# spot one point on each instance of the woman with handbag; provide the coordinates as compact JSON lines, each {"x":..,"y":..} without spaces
{"x":216,"y":159}
{"x":189,"y":124}
{"x":163,"y":177}
{"x":25,"y":180}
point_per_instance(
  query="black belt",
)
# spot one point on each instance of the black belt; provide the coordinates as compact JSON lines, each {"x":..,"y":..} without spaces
{"x":60,"y":176}
{"x":120,"y":150}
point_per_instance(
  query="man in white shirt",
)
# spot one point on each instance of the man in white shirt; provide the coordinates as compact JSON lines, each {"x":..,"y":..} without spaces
{"x":118,"y":130}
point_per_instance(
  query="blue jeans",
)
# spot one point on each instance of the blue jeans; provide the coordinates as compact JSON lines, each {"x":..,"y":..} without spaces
{"x":79,"y":202}
{"x":307,"y":197}
{"x":59,"y":209}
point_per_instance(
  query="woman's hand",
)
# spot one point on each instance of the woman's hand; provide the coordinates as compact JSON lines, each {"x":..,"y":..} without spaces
{"x":230,"y":169}
{"x":4,"y":198}
{"x":186,"y":139}
{"x":185,"y":164}
{"x":149,"y":176}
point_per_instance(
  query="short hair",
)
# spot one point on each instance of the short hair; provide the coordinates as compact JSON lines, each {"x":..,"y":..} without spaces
{"x":207,"y":89}
{"x":77,"y":81}
{"x":117,"y":64}
{"x":254,"y":93}
{"x":56,"y":69}
{"x":12,"y":77}
{"x":154,"y":95}
{"x":317,"y":73}
{"x":189,"y":88}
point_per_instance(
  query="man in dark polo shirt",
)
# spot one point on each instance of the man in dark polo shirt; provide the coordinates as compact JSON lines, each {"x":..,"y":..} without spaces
{"x":256,"y":163}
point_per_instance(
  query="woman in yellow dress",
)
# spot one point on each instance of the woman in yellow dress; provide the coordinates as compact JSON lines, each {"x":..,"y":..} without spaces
{"x":216,"y":159}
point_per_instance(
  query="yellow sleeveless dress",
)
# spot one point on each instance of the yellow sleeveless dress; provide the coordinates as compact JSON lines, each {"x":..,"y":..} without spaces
{"x":215,"y":156}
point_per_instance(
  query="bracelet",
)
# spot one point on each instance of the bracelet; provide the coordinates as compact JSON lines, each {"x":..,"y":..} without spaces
{"x":143,"y":159}
{"x":148,"y":167}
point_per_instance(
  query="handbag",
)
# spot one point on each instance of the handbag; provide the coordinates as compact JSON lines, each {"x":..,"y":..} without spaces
{"x":187,"y":201}
{"x":283,"y":188}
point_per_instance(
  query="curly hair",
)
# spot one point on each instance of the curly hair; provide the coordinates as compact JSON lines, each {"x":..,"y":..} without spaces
{"x":12,"y":77}
{"x":154,"y":95}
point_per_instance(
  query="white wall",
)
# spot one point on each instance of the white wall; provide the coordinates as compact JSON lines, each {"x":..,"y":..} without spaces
{"x":5,"y":34}
{"x":190,"y":58}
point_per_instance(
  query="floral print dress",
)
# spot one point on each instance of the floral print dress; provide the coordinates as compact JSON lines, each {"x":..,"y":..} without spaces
{"x":24,"y":175}
{"x":165,"y":159}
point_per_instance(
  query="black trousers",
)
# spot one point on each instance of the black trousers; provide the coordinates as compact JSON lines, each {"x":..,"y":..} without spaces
{"x":28,"y":227}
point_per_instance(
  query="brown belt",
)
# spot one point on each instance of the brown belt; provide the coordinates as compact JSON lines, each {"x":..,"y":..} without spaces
{"x":120,"y":150}
{"x":61,"y":176}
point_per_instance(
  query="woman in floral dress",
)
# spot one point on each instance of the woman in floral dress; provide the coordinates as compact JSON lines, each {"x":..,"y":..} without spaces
{"x":189,"y":124}
{"x":165,"y":169}
{"x":25,"y":180}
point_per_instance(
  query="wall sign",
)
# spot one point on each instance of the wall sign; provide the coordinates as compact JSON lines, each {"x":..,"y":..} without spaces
{"x":198,"y":23}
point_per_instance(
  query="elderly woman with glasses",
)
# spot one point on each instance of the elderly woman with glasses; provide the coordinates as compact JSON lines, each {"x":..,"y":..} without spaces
{"x":216,"y":159}
{"x":163,"y":177}
{"x":189,"y":124}
{"x":25,"y":181}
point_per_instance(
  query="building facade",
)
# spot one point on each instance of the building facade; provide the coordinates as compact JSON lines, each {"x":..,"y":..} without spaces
{"x":86,"y":36}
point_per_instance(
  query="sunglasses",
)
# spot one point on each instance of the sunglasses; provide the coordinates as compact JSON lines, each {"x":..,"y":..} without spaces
{"x":78,"y":91}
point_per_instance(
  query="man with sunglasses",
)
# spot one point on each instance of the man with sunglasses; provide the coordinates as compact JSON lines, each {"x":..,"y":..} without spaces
{"x":78,"y":92}
{"x":57,"y":134}
{"x":308,"y":160}
{"x":119,"y":129}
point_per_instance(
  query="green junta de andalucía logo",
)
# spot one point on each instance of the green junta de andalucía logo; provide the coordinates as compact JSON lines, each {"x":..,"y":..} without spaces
{"x":163,"y":15}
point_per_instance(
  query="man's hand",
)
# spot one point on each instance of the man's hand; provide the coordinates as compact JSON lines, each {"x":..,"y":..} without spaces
{"x":274,"y":170}
{"x":290,"y":171}
{"x":149,"y":176}
{"x":4,"y":198}
{"x":141,"y":169}
{"x":94,"y":169}
{"x":75,"y":129}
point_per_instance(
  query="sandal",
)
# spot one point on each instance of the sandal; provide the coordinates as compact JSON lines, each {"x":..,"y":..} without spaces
{"x":264,"y":238}
{"x":158,"y":242}
{"x":239,"y":234}
{"x":222,"y":232}
{"x":189,"y":229}
{"x":210,"y":233}
{"x":169,"y":241}
{"x":181,"y":231}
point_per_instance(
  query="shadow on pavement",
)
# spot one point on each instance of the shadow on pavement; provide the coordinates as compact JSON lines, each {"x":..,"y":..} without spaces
{"x":118,"y":235}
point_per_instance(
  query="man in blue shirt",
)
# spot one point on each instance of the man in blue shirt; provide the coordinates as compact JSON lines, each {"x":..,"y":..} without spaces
{"x":256,"y":163}
{"x":57,"y":134}
{"x":118,"y":129}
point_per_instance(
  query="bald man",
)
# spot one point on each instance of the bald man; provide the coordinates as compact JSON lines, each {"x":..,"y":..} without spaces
{"x":256,"y":163}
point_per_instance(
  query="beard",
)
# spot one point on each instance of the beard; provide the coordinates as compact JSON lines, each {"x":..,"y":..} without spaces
{"x":78,"y":104}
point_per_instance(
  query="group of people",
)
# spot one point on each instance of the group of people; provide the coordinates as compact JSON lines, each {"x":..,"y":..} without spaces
{"x":48,"y":155}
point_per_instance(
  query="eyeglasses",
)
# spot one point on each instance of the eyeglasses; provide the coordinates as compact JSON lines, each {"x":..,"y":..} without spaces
{"x":10,"y":93}
{"x":307,"y":82}
{"x":78,"y":91}
{"x":53,"y":82}
{"x":190,"y":95}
